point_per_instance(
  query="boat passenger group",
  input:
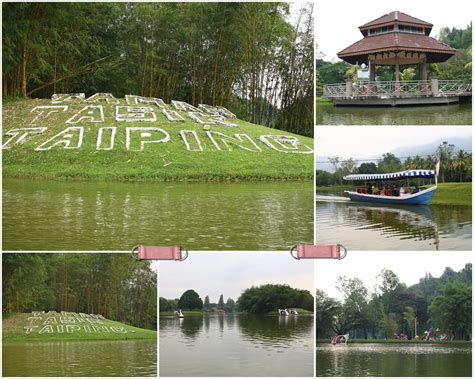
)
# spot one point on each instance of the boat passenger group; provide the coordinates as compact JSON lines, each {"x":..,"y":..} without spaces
{"x":386,"y":191}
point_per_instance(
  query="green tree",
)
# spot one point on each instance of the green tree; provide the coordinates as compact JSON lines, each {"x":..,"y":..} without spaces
{"x":389,"y":163}
{"x":206,"y":303}
{"x":327,"y":310}
{"x":451,"y":309}
{"x":230,"y":305}
{"x":389,"y":325}
{"x":367,"y":168}
{"x":410,"y":318}
{"x":221,"y":302}
{"x":190,"y":301}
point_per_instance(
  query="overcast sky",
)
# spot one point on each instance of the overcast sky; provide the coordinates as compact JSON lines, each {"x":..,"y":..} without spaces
{"x":337,"y":23}
{"x":368,"y":141}
{"x":229,"y":273}
{"x":410,"y":267}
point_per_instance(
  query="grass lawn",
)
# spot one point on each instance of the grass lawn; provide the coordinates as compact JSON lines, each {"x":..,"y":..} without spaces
{"x":14,"y":331}
{"x":169,"y":161}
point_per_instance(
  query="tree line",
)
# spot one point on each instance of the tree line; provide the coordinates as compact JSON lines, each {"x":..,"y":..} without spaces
{"x":114,"y":285}
{"x":456,"y":165}
{"x":458,"y":67}
{"x":442,"y":304}
{"x":257,"y":300}
{"x":248,"y":57}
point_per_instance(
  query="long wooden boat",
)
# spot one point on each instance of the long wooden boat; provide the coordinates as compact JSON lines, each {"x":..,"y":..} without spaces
{"x":421,"y":196}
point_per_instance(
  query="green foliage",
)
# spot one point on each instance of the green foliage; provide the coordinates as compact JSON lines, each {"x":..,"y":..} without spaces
{"x":167,"y":305}
{"x":331,"y":73}
{"x":457,"y":38}
{"x":389,"y":325}
{"x":208,"y":53}
{"x":189,"y":301}
{"x":410,"y":318}
{"x":221,"y":302}
{"x":442,"y":303}
{"x":451,"y":309}
{"x":206,"y":303}
{"x":113,"y":285}
{"x":230,"y":305}
{"x":327,"y":311}
{"x":270,"y":297}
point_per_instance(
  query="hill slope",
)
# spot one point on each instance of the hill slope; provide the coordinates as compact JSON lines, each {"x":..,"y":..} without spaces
{"x":52,"y":326}
{"x":200,"y":153}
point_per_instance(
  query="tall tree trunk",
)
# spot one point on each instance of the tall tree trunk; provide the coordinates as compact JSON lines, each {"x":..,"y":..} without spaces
{"x":23,"y":71}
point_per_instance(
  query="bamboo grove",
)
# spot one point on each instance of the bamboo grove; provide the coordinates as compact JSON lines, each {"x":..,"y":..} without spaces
{"x":255,"y":58}
{"x":113,"y":285}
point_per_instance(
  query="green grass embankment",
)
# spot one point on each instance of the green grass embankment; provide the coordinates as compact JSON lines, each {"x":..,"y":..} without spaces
{"x":446,"y":194}
{"x":14,"y":331}
{"x":453,"y":194}
{"x":168,"y":161}
{"x":322,"y":100}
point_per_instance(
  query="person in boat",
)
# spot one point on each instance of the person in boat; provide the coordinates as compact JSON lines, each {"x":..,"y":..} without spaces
{"x":395,"y":190}
{"x":376,"y":190}
{"x":369,"y":189}
{"x":401,"y":191}
{"x":416,"y":190}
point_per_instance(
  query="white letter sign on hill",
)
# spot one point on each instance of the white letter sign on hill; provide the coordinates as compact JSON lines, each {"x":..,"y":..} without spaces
{"x":70,"y":138}
{"x":134,"y":100}
{"x":130,"y":114}
{"x":67,"y":97}
{"x":18,"y":136}
{"x":103,"y":97}
{"x":45,"y":110}
{"x":223,"y":142}
{"x":183,"y":106}
{"x":146,"y":135}
{"x":285,"y":144}
{"x":69,"y":322}
{"x":90,"y":113}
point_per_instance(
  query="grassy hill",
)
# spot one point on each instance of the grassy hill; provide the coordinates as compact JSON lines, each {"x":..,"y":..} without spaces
{"x":157,"y":162}
{"x":14,"y":330}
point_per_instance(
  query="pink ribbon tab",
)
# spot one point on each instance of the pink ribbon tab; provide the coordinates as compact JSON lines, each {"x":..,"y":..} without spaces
{"x":318,"y":251}
{"x":170,"y":253}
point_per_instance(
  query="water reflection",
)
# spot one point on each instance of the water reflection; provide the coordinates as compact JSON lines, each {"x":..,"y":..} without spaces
{"x":80,"y":358}
{"x":394,"y":360}
{"x":237,"y":345}
{"x":51,"y":215}
{"x":455,"y":114}
{"x":361,"y":226}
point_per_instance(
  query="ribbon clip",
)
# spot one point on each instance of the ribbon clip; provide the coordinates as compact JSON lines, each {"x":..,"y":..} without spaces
{"x":318,"y":251}
{"x":162,"y":253}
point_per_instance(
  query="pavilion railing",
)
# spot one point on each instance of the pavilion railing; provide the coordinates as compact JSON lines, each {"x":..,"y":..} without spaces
{"x":414,"y":88}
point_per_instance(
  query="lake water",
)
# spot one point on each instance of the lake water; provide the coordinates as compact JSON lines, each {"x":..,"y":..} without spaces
{"x":54,"y":215}
{"x":455,"y":114}
{"x":393,"y":360}
{"x":360,"y":226}
{"x":237,"y":345}
{"x":85,"y":358}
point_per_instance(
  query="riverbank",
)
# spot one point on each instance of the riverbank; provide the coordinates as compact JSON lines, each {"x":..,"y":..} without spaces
{"x":114,"y":154}
{"x":26,"y":327}
{"x":389,"y":342}
{"x":446,"y":194}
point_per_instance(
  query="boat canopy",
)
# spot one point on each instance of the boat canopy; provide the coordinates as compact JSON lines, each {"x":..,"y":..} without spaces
{"x":393,"y":175}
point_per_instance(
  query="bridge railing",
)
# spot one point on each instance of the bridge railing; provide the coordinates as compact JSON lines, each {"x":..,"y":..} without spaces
{"x":391,"y":89}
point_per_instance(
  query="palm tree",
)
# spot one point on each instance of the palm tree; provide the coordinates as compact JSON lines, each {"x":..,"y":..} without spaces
{"x":461,"y":163}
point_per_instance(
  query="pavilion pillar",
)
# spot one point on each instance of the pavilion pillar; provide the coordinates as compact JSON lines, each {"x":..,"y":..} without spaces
{"x":371,"y":71}
{"x":423,"y":71}
{"x":348,"y":88}
{"x":397,"y":76}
